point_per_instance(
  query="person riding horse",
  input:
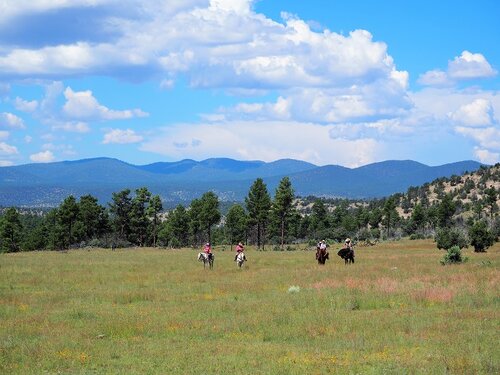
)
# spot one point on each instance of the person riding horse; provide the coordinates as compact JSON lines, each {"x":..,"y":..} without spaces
{"x":208,"y":250}
{"x":239,"y":249}
{"x":321,"y":253}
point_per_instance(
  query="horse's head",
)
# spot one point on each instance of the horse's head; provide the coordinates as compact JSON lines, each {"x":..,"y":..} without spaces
{"x":201,"y":257}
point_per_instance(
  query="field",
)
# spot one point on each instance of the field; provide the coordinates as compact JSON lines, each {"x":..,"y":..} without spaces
{"x":148,"y":311}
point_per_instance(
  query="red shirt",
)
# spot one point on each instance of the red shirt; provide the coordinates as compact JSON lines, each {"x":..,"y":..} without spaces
{"x":239,"y":248}
{"x":207,"y":249}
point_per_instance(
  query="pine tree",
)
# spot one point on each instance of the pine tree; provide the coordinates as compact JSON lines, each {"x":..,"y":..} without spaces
{"x":236,"y":224}
{"x":283,"y":205}
{"x":10,"y":231}
{"x":120,"y":210}
{"x":258,"y":203}
{"x":209,"y":213}
{"x":153,"y":211}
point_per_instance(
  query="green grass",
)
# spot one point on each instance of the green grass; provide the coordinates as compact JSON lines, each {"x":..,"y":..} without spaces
{"x":395,"y":311}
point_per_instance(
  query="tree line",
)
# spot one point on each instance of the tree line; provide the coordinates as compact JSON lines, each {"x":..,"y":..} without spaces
{"x":138,"y":219}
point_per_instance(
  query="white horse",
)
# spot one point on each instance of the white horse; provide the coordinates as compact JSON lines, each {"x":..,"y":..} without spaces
{"x":206,"y":259}
{"x":240,"y":259}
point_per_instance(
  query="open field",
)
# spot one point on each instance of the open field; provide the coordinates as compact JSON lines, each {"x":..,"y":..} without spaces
{"x":396,"y":311}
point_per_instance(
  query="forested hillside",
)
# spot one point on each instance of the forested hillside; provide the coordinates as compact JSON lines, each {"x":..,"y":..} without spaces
{"x":455,"y":210}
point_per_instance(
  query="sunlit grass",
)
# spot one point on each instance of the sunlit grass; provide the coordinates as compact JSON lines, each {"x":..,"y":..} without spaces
{"x":396,"y":310}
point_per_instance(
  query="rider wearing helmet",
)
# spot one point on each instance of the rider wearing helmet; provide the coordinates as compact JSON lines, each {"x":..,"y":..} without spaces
{"x":208,"y":250}
{"x":239,"y":249}
{"x":348,"y":245}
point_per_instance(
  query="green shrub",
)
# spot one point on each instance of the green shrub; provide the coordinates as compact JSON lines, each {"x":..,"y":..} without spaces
{"x":446,"y":238}
{"x":453,"y":256}
{"x":480,"y":236}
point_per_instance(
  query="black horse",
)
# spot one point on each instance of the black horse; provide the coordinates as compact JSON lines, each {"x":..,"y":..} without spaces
{"x":322,"y":255}
{"x":347,"y":254}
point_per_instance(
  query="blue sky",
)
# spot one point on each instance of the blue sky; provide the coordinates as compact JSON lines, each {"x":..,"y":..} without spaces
{"x":326,"y":81}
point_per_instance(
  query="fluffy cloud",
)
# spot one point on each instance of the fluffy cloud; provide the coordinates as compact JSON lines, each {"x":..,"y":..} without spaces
{"x":10,"y":120}
{"x":25,"y":105}
{"x":251,"y":50}
{"x":6,"y":149}
{"x":466,"y":66}
{"x":486,"y":156}
{"x":477,"y":113}
{"x":121,"y":136}
{"x":487,"y":138}
{"x":83,"y":105}
{"x":470,"y":65}
{"x":43,"y":157}
{"x":6,"y":163}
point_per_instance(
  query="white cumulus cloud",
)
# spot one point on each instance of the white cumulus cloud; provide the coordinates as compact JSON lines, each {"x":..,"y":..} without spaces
{"x":83,"y":105}
{"x":6,"y":149}
{"x":10,"y":120}
{"x":486,"y":156}
{"x":121,"y":136}
{"x":42,"y":157}
{"x":466,"y":66}
{"x":477,"y":113}
{"x":470,"y":65}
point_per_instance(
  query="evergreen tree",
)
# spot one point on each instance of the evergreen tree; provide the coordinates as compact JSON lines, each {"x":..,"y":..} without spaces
{"x":319,"y":218}
{"x":10,"y":231}
{"x":491,"y":200}
{"x":390,"y":214}
{"x":236,"y":224}
{"x":258,"y":203}
{"x":120,"y":208}
{"x":283,"y":205}
{"x":209,"y":213}
{"x":446,"y":210}
{"x":480,"y":236}
{"x":139,"y":220}
{"x":195,"y":223}
{"x":175,"y":230}
{"x":92,"y":216}
{"x":418,"y":218}
{"x":153,"y":211}
{"x":67,"y":216}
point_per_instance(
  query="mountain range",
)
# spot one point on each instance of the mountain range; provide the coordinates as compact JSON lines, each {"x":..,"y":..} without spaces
{"x":46,"y":185}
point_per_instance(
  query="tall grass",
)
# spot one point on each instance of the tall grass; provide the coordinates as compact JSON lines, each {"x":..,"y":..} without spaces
{"x":396,"y":310}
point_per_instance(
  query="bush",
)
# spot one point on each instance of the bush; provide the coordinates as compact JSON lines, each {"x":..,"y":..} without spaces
{"x":453,"y":256}
{"x":480,"y":236}
{"x":446,"y":238}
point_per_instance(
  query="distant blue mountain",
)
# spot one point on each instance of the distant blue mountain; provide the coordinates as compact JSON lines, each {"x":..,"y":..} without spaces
{"x":48,"y":184}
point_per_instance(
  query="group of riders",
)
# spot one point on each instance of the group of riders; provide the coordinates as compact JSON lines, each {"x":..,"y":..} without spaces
{"x":207,"y":249}
{"x":321,"y":247}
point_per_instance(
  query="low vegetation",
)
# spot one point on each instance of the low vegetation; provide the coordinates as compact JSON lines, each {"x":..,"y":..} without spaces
{"x":152,"y":311}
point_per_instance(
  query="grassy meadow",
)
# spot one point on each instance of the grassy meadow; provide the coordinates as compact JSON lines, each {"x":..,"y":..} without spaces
{"x":148,"y":311}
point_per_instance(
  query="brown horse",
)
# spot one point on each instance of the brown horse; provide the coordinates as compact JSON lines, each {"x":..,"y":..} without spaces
{"x":321,"y":255}
{"x":347,"y":254}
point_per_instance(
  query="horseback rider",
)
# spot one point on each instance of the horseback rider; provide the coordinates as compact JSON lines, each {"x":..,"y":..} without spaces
{"x":320,"y":248}
{"x":348,"y":245}
{"x":208,"y":250}
{"x":239,"y":249}
{"x":322,"y":245}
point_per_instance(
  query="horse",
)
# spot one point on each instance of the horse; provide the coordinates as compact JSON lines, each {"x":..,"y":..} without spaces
{"x":347,"y":254}
{"x":206,"y":259}
{"x":240,"y":259}
{"x":322,"y":255}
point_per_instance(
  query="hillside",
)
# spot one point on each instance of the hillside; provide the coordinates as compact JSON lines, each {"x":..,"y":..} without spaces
{"x":46,"y":185}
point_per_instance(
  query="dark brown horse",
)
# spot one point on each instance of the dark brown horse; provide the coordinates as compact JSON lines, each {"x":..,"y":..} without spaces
{"x":321,"y":255}
{"x":347,"y":254}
